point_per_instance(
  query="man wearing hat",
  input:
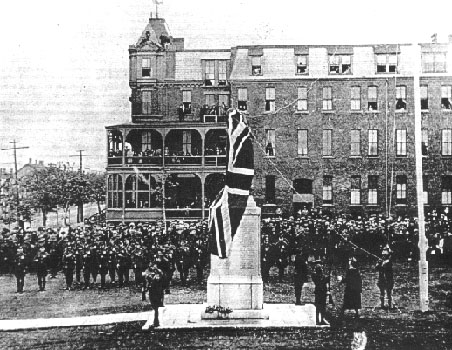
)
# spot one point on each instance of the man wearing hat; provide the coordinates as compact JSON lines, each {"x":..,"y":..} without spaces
{"x":301,"y":274}
{"x":153,"y":282}
{"x":385,"y":277}
{"x":68,"y":267}
{"x":41,"y":267}
{"x":19,"y":269}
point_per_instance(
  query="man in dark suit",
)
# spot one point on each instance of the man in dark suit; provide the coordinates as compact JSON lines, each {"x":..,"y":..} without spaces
{"x":301,"y":274}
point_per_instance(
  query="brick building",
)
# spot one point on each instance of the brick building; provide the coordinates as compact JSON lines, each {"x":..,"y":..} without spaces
{"x":334,"y":127}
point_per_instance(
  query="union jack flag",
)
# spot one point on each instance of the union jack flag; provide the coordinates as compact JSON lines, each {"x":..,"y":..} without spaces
{"x":227,"y":209}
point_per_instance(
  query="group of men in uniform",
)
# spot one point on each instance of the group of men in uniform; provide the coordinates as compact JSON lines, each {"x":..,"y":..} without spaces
{"x":101,"y":251}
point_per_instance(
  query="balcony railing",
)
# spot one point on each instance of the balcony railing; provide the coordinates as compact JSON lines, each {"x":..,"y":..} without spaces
{"x":215,"y":160}
{"x":173,"y":160}
{"x":150,"y":160}
{"x":183,"y":160}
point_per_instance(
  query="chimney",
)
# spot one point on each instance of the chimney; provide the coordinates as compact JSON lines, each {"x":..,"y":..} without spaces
{"x":29,"y":161}
{"x":450,"y":38}
{"x":36,"y":161}
{"x":41,"y":162}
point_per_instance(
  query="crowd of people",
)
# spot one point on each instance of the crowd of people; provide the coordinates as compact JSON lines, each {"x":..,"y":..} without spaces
{"x":105,"y":250}
{"x":155,"y":251}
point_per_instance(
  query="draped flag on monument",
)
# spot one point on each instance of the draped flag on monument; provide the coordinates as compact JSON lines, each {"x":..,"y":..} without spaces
{"x":227,"y":209}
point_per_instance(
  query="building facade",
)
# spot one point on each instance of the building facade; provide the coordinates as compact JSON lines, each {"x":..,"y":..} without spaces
{"x":333,"y":126}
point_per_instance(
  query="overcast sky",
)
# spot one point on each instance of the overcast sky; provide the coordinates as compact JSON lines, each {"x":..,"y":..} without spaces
{"x":64,"y":64}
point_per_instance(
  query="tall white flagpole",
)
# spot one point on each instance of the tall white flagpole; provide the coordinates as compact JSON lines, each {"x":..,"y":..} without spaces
{"x":423,"y":243}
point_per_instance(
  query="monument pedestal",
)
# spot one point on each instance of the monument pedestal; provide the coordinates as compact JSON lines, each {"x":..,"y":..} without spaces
{"x":236,"y":282}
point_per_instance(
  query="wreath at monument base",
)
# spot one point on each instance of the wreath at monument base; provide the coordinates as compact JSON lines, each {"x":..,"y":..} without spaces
{"x":223,"y":312}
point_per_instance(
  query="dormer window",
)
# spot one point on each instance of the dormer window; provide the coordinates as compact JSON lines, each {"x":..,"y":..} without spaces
{"x":209,"y":73}
{"x":256,"y":67}
{"x":302,"y":64}
{"x":222,"y":77}
{"x":387,"y":63}
{"x":340,"y":64}
{"x":146,"y":67}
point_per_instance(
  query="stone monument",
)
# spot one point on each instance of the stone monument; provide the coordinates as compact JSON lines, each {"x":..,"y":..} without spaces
{"x":235,"y":282}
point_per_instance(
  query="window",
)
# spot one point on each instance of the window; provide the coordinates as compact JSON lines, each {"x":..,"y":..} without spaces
{"x":302,"y":142}
{"x":327,"y":101}
{"x":424,"y":143}
{"x":143,"y":191}
{"x":425,"y":188}
{"x":355,"y":98}
{"x":355,"y":190}
{"x":302,"y":186}
{"x":186,"y":100}
{"x":186,"y":141}
{"x":327,"y":149}
{"x":256,"y":67}
{"x":209,"y":73}
{"x":372,"y":197}
{"x":210,"y":100}
{"x":373,"y":143}
{"x":271,"y":142}
{"x":401,"y":142}
{"x":446,"y":142}
{"x":270,"y":188}
{"x":270,"y":99}
{"x":355,"y":142}
{"x":302,"y":64}
{"x":401,"y":189}
{"x":327,"y":193}
{"x":387,"y":63}
{"x":424,"y":97}
{"x":372,"y":98}
{"x":222,"y":73}
{"x":434,"y":62}
{"x":146,"y":143}
{"x":242,"y":99}
{"x":302,"y":103}
{"x":340,"y":64}
{"x":146,"y":102}
{"x":114,"y":191}
{"x":400,"y":97}
{"x":446,"y":189}
{"x":223,"y":101}
{"x":130,"y":191}
{"x":446,"y":97}
{"x":146,"y":67}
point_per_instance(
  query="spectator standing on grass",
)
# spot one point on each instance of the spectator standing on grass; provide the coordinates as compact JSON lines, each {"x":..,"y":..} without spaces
{"x":385,"y":277}
{"x":68,"y":268}
{"x":321,"y":289}
{"x":153,"y":282}
{"x":353,"y":289}
{"x":301,"y":274}
{"x":40,"y":261}
{"x":19,"y":269}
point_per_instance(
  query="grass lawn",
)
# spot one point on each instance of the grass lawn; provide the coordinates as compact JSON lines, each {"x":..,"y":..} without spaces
{"x":402,"y":328}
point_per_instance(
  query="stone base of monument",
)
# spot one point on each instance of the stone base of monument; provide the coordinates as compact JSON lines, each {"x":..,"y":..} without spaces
{"x":236,"y":292}
{"x":189,"y":316}
{"x":235,"y":315}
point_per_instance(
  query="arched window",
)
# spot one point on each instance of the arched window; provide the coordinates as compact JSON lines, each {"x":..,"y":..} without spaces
{"x":131,"y":194}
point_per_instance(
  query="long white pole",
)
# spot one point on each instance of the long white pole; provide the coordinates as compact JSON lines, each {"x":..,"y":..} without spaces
{"x":423,"y":244}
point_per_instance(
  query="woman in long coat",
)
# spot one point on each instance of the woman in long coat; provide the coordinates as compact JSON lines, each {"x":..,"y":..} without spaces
{"x":353,"y":289}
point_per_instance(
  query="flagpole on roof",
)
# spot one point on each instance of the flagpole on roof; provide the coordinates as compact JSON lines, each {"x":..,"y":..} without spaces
{"x":423,"y":244}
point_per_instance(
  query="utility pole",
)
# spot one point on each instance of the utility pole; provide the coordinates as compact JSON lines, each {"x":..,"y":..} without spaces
{"x":15,"y":148}
{"x":80,"y":202}
{"x":423,"y":243}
